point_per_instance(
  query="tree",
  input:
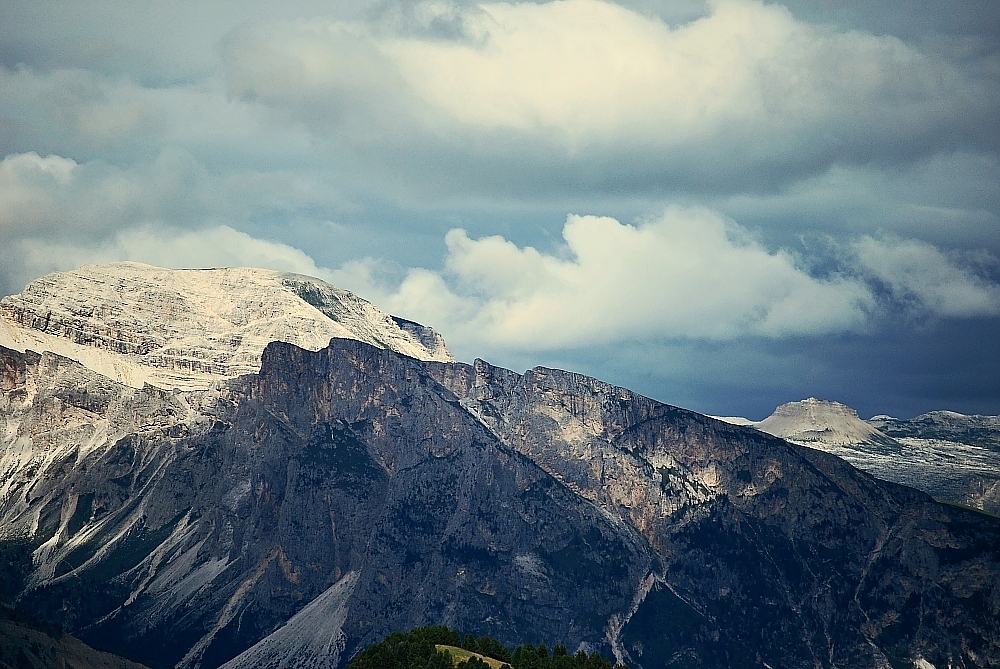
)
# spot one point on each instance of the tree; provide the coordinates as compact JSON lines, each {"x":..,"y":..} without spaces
{"x":416,"y":650}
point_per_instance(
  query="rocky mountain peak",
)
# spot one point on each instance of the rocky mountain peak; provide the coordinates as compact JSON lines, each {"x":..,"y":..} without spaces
{"x":186,"y":328}
{"x":824,"y":421}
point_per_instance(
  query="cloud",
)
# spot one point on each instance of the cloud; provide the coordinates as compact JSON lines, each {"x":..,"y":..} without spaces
{"x":76,"y":112}
{"x":56,"y":195}
{"x":39,"y":195}
{"x":60,"y":213}
{"x":690,"y":273}
{"x":925,"y":278}
{"x":621,"y":102}
{"x":949,"y":200}
{"x":219,"y":246}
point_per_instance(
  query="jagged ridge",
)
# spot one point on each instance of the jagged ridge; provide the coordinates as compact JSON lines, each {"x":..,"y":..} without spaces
{"x":290,"y":517}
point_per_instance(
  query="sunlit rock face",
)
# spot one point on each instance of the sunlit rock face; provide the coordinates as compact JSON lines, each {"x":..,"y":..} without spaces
{"x":188,"y":328}
{"x":290,"y":516}
{"x":821,"y":422}
{"x":772,"y":554}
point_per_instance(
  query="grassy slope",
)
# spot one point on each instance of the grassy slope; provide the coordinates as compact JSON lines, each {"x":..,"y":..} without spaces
{"x":461,"y":655}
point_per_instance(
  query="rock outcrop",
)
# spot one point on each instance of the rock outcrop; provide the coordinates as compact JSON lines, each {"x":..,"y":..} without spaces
{"x":833,"y":567}
{"x":186,"y":329}
{"x":821,"y":422}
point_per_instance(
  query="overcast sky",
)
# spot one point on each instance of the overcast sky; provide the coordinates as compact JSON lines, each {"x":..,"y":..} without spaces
{"x":724,"y":205}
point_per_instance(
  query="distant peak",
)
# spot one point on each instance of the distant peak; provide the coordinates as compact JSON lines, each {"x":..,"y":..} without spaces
{"x":943,"y":414}
{"x":814,"y":420}
{"x":812,"y":405}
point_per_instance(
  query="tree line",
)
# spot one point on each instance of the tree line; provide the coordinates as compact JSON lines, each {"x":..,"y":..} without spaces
{"x":416,"y":649}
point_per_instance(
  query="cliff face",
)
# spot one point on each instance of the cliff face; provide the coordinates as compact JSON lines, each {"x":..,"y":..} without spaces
{"x":789,"y":556}
{"x":186,"y":329}
{"x":183,"y":528}
{"x":288,"y":518}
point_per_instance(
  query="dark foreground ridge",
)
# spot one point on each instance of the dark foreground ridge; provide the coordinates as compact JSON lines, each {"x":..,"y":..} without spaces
{"x":26,"y":643}
{"x":295,"y":517}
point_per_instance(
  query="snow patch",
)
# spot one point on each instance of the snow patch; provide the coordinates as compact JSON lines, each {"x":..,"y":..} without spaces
{"x":737,"y":420}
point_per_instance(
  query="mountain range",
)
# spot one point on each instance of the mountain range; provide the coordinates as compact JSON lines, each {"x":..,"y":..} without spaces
{"x":954,"y":457}
{"x":245,"y":468}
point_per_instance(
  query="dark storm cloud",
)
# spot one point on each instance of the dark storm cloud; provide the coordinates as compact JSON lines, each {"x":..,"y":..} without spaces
{"x":903,"y":370}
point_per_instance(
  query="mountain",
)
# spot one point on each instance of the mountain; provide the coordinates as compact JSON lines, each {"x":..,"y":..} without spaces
{"x":981,"y":431}
{"x":291,"y":516}
{"x":186,"y":329}
{"x":748,"y":527}
{"x":957,"y":455}
{"x":821,"y":422}
{"x":953,"y":457}
{"x":303,"y":512}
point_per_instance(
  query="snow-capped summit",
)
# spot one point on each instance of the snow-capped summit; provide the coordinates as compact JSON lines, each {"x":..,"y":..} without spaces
{"x":823,"y":421}
{"x":187,"y":328}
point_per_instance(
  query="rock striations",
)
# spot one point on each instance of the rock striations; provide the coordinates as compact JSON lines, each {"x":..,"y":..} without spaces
{"x":187,"y":328}
{"x":291,"y":516}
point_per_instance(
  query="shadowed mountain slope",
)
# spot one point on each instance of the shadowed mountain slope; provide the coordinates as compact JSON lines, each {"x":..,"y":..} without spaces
{"x":291,"y":517}
{"x":346,"y":478}
{"x":833,"y":567}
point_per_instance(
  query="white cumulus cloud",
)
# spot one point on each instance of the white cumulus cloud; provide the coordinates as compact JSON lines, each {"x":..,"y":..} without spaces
{"x":617,"y":98}
{"x":690,"y":273}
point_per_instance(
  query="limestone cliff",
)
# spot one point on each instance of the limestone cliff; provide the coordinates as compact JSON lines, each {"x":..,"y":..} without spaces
{"x":188,"y":328}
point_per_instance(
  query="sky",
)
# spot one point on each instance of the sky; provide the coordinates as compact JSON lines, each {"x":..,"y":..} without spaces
{"x":723,"y":205}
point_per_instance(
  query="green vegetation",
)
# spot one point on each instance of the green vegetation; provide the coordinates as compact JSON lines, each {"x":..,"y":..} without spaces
{"x":462,"y":656}
{"x":443,"y":648}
